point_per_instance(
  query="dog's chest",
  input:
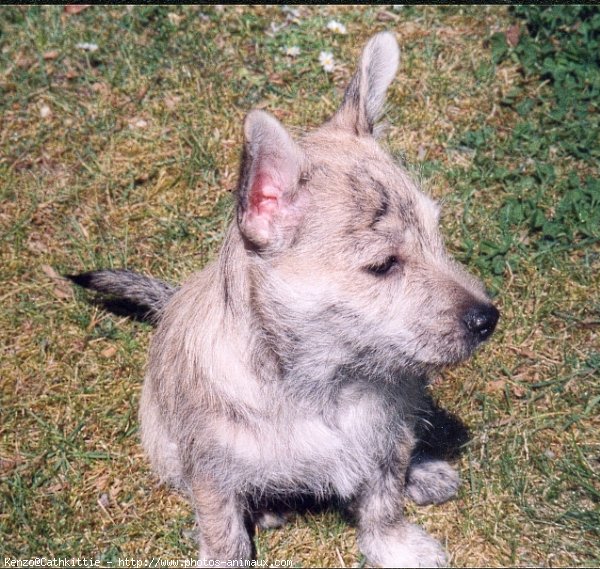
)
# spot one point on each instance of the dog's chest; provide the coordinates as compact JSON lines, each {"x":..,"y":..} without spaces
{"x":331,"y":451}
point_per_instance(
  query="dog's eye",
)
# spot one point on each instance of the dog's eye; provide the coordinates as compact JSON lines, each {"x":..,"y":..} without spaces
{"x":385,"y":267}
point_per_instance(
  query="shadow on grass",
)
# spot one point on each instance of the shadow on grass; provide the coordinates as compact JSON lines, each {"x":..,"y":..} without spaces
{"x":442,"y":435}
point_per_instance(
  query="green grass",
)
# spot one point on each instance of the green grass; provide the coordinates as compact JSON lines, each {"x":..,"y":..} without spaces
{"x":133,"y":165}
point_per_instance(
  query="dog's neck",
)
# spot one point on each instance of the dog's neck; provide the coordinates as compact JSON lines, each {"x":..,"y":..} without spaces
{"x":309,"y":372}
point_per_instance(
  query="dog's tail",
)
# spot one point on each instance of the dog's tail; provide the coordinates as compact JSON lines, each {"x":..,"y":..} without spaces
{"x":127,"y":293}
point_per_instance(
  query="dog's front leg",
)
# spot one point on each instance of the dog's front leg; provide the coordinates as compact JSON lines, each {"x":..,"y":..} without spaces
{"x":384,"y":535}
{"x":221,"y":524}
{"x":431,"y":480}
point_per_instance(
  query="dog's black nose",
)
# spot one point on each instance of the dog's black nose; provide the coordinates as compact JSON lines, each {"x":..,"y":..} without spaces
{"x":481,"y":320}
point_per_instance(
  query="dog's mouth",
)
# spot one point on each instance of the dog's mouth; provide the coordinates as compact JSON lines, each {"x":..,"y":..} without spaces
{"x":440,"y":351}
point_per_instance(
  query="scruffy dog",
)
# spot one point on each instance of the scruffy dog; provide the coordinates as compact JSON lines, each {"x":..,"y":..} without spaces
{"x":296,"y":363}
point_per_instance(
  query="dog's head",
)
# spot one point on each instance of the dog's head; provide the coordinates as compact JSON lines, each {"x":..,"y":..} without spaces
{"x":347,"y":257}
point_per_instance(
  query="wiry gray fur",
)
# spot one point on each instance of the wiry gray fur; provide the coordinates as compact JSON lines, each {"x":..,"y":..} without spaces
{"x":297,"y":362}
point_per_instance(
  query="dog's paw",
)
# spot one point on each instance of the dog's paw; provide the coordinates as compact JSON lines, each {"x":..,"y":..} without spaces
{"x":431,"y":482}
{"x":270,"y":520}
{"x":406,"y":546}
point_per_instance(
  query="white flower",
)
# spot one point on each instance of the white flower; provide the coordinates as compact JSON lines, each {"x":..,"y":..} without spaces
{"x":174,"y":18}
{"x":137,"y":123}
{"x":326,"y":61}
{"x":87,"y":46}
{"x":291,"y":13}
{"x":336,"y":27}
{"x":276,"y":28}
{"x":292,"y":51}
{"x":45,"y":111}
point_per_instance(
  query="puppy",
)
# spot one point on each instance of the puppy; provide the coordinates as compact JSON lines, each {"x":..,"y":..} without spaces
{"x":296,"y":362}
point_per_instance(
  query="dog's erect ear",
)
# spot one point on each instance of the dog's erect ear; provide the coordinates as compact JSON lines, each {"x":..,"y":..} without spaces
{"x":365,"y":95}
{"x":268,"y":207}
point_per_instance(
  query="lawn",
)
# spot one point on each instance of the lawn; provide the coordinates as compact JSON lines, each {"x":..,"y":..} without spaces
{"x":120,"y":133}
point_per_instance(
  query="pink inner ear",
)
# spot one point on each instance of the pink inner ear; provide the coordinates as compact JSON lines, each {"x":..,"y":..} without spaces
{"x":264,"y":195}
